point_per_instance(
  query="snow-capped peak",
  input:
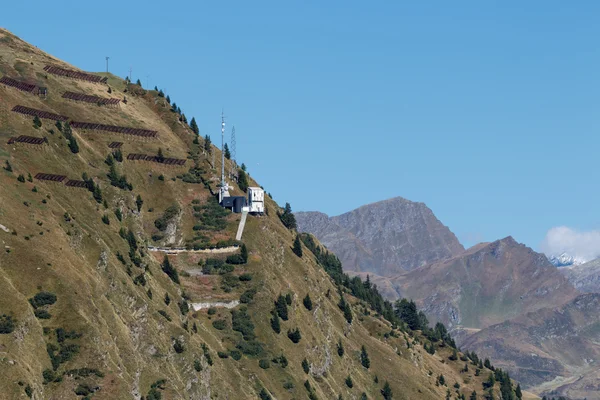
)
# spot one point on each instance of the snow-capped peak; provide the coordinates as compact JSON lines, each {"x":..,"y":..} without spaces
{"x":566,"y":260}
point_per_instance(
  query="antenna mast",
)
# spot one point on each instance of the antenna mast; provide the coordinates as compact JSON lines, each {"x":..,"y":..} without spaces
{"x":107,"y":64}
{"x":233,"y":152}
{"x":222,"y":151}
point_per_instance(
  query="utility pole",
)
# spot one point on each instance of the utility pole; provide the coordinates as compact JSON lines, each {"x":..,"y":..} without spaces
{"x":107,"y":57}
{"x":130,"y":73}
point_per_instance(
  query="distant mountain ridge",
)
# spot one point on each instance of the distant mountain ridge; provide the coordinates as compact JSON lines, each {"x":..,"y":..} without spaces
{"x":383,"y":238}
{"x":585,"y":277}
{"x":485,"y":285}
{"x":566,"y":260}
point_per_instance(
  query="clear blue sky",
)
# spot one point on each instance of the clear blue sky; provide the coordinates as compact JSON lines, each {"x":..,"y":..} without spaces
{"x":486,"y":111}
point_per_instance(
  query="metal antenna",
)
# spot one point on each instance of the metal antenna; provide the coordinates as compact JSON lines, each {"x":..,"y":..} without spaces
{"x":130,"y":73}
{"x":233,"y":152}
{"x":107,"y":57}
{"x":222,"y":149}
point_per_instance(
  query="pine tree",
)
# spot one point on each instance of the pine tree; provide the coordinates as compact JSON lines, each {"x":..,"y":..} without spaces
{"x":105,"y":219}
{"x":37,"y":123}
{"x":340,"y":348}
{"x":139,"y":83}
{"x":364,"y":358}
{"x":194,"y":126}
{"x":156,"y":88}
{"x":160,"y":156}
{"x":118,"y":155}
{"x":281,"y":307}
{"x":275,"y":324}
{"x":307,"y":302}
{"x":243,"y":167}
{"x":518,"y":391}
{"x":227,"y":152}
{"x":287,"y":217}
{"x":473,"y":395}
{"x":349,"y":382}
{"x":174,"y":107}
{"x":386,"y":392}
{"x":8,"y":167}
{"x":207,"y":144}
{"x":167,"y":299}
{"x":168,"y":99}
{"x":242,"y":180}
{"x":297,"y":249}
{"x":139,"y":202}
{"x":170,"y":270}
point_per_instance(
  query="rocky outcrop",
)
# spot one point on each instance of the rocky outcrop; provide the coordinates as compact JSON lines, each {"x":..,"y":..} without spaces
{"x":384,"y":238}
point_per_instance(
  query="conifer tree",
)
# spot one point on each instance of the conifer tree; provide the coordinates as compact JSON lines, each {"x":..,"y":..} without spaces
{"x":242,"y":180}
{"x":168,"y":99}
{"x":37,"y":123}
{"x":518,"y":392}
{"x":340,"y":348}
{"x":227,"y":152}
{"x":160,"y":156}
{"x":139,"y":202}
{"x":386,"y":392}
{"x":364,"y":358}
{"x":297,"y":249}
{"x":287,"y":217}
{"x":139,"y":83}
{"x":207,"y":144}
{"x":275,"y":322}
{"x":281,"y":307}
{"x":170,"y":270}
{"x":473,"y":395}
{"x":194,"y":126}
{"x":307,"y":302}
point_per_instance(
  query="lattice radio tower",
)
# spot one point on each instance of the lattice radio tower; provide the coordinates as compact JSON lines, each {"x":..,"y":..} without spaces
{"x":222,"y":150}
{"x":233,"y":153}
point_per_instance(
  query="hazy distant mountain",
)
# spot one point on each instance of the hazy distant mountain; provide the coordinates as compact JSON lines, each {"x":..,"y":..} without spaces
{"x":485,"y":285}
{"x":550,"y":342}
{"x":383,"y":238}
{"x":565,"y":260}
{"x":585,"y":277}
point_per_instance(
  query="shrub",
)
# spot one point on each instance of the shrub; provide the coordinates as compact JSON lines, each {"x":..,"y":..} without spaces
{"x":48,"y":376}
{"x":305,"y":366}
{"x":178,"y":346}
{"x":164,"y":314}
{"x":364,"y":358}
{"x":197,"y":365}
{"x":42,"y":299}
{"x":235,"y":354}
{"x":162,"y":222}
{"x":264,"y":364}
{"x":241,"y":322}
{"x":294,"y":335}
{"x":245,"y":277}
{"x":212,"y":311}
{"x":264,"y":395}
{"x":184,"y":307}
{"x":222,"y":354}
{"x":7,"y":324}
{"x":250,"y":347}
{"x":21,"y":178}
{"x":247,"y":296}
{"x":219,"y":324}
{"x":42,"y":314}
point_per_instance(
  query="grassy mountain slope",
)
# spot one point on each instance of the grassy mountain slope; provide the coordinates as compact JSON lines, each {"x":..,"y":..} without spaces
{"x":84,"y":311}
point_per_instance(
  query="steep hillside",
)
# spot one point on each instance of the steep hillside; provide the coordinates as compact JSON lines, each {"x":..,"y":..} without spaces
{"x":485,"y":285}
{"x":88,"y":311}
{"x":585,"y":277}
{"x":554,"y":350}
{"x":383,"y":238}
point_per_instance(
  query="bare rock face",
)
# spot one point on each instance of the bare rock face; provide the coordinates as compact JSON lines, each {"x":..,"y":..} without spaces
{"x":383,"y":238}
